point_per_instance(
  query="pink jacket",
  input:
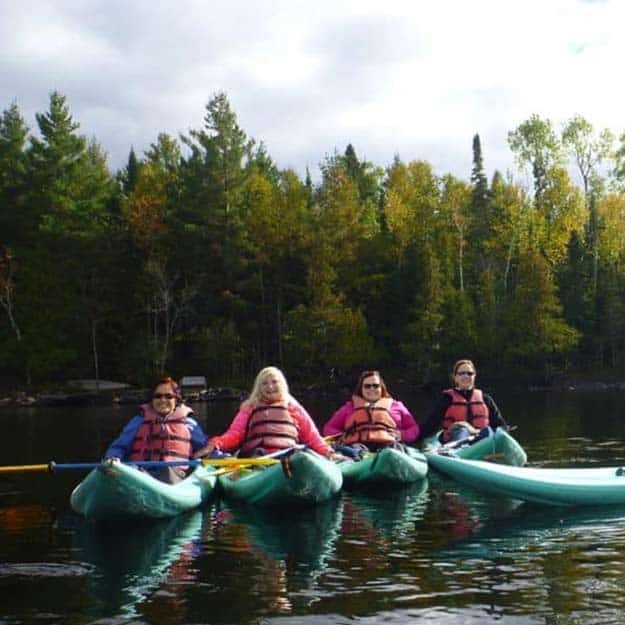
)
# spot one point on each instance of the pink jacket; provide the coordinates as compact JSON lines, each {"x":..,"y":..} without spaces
{"x":401,"y":415}
{"x":309,"y":435}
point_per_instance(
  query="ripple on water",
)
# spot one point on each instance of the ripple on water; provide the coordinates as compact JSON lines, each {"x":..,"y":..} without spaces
{"x":46,"y":569}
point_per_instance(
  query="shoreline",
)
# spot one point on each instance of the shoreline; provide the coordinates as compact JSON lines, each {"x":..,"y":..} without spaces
{"x":216,"y":394}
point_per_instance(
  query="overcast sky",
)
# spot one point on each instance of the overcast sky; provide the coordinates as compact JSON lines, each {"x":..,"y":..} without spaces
{"x":414,"y":78}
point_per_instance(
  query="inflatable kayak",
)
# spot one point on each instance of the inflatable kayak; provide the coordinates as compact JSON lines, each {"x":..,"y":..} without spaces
{"x":120,"y":491}
{"x":385,"y":467}
{"x":500,"y":448}
{"x":301,"y":478}
{"x":555,"y":487}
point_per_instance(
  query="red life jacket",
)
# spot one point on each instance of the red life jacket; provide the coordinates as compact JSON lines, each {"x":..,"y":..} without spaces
{"x":160,"y":438}
{"x":371,"y":422}
{"x":272,"y":427}
{"x":473,"y":410}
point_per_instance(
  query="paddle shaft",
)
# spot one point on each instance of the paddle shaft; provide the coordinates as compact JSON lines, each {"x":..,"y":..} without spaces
{"x":148,"y":464}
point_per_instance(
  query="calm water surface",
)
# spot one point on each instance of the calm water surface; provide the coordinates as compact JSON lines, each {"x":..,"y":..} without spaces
{"x":435,"y":553}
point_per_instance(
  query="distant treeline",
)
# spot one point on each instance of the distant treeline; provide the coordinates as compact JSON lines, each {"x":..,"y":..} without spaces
{"x":203,"y":257}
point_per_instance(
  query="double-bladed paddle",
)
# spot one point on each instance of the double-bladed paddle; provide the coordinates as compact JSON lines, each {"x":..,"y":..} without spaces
{"x":230,"y":462}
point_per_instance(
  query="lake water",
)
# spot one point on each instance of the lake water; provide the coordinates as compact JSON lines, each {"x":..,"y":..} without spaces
{"x":436,"y":553}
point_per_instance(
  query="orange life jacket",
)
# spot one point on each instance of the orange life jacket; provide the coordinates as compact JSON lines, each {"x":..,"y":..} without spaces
{"x":371,"y":422}
{"x":473,"y":410}
{"x":272,"y":427}
{"x":162,"y":438}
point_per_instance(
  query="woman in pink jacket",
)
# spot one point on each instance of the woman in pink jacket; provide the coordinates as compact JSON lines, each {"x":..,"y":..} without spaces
{"x":269,"y":420}
{"x":372,"y":417}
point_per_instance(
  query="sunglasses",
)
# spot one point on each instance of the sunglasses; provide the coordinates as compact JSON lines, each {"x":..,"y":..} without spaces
{"x":370,"y":386}
{"x":466,"y":373}
{"x":163,"y":396}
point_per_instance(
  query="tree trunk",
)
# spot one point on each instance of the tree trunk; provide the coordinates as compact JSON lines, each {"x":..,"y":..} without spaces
{"x":96,"y":360}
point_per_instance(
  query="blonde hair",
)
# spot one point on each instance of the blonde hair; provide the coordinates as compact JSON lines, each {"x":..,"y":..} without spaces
{"x":256,"y":397}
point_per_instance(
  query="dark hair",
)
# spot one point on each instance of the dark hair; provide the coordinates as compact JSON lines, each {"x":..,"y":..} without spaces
{"x":368,"y":374}
{"x":174,"y":386}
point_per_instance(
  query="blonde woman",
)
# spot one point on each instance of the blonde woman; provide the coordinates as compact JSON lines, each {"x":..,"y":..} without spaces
{"x":269,"y":420}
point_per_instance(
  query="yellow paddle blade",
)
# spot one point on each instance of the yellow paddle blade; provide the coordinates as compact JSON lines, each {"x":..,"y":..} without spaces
{"x":225,"y":470}
{"x":332,"y":437}
{"x":237,"y":462}
{"x":25,"y":467}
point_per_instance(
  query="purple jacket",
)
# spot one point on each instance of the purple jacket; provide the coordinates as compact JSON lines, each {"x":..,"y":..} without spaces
{"x":401,"y":415}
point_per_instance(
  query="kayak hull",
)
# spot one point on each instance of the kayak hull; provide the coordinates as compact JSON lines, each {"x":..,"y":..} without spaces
{"x":386,"y":467}
{"x":302,"y":478}
{"x":116,"y":491}
{"x":500,"y":448}
{"x":555,"y":487}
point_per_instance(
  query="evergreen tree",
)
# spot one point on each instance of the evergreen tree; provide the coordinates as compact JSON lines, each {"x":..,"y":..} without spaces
{"x":479,"y":180}
{"x":71,"y":189}
{"x":127,"y":177}
{"x":13,"y":172}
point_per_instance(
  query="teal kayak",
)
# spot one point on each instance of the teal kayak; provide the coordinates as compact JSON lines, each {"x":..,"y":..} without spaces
{"x":500,"y":448}
{"x":119,"y":491}
{"x":555,"y":487}
{"x":301,"y":478}
{"x":386,"y":467}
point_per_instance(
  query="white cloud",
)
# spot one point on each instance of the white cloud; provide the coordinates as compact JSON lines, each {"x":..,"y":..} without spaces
{"x":416,"y":78}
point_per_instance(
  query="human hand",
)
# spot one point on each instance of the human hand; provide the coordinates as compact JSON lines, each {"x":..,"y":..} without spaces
{"x":207,"y":450}
{"x":107,"y":464}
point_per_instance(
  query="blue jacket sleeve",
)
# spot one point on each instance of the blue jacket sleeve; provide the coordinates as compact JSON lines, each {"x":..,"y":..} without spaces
{"x":198,"y":437}
{"x":120,"y":447}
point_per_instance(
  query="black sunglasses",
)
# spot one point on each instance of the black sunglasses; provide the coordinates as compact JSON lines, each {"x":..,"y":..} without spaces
{"x":371,"y":386}
{"x":163,"y":396}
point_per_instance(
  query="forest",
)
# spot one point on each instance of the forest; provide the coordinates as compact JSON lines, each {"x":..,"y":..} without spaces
{"x":203,"y":257}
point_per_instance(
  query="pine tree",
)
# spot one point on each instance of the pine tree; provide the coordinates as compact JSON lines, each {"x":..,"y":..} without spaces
{"x":479,"y":180}
{"x":128,"y":176}
{"x":14,"y":224}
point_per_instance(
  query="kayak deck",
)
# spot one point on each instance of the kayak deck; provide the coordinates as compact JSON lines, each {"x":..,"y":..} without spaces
{"x":302,"y":478}
{"x":385,"y":467}
{"x":120,"y":491}
{"x":557,"y":487}
{"x":499,"y":448}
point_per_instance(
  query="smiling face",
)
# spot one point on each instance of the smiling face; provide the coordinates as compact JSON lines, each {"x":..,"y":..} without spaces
{"x":371,"y":388}
{"x":464,"y":377}
{"x":271,"y":388}
{"x":164,"y":399}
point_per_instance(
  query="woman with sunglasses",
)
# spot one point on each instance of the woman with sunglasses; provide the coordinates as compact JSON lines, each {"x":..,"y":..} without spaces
{"x":372,"y":417}
{"x":463,"y":410}
{"x":269,"y":420}
{"x":164,"y":430}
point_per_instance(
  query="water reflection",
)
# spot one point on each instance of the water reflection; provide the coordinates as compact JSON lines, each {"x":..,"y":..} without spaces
{"x":285,"y":551}
{"x":529,"y":528}
{"x":390,"y":515}
{"x":437,"y":552}
{"x":132,"y":561}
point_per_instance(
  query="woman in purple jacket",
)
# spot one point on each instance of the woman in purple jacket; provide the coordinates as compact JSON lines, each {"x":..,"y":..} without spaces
{"x":372,"y":417}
